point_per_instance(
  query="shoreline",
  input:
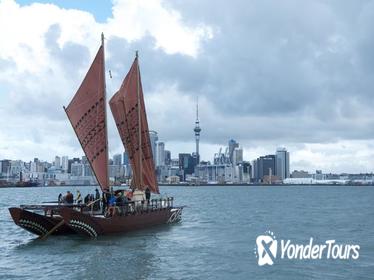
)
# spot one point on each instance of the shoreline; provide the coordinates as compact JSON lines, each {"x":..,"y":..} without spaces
{"x":205,"y":185}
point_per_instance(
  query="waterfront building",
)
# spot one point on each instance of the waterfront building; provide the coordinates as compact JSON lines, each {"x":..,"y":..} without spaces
{"x":174,"y":162}
{"x":65,"y":163}
{"x":153,"y":138}
{"x":116,"y":172}
{"x":160,"y":154}
{"x":84,"y":160}
{"x":186,"y":164}
{"x":215,"y":173}
{"x":71,"y":161}
{"x":165,"y":172}
{"x":247,"y":172}
{"x":127,"y":171}
{"x":126,"y":160}
{"x":57,"y":162}
{"x":283,"y":163}
{"x":117,"y":159}
{"x":237,"y":156}
{"x":300,"y":174}
{"x":87,"y":171}
{"x":319,"y":175}
{"x":77,"y":169}
{"x":5,"y":167}
{"x":232,"y":145}
{"x":167,"y":157}
{"x":264,"y":166}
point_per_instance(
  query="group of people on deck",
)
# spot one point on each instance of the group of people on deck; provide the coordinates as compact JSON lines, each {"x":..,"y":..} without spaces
{"x":111,"y":203}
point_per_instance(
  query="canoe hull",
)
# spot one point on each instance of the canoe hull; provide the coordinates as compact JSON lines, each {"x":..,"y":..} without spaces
{"x":93,"y":226}
{"x":38,"y":224}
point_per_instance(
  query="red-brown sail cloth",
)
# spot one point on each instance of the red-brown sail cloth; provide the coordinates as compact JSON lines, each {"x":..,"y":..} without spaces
{"x":124,"y":107}
{"x":87,"y":114}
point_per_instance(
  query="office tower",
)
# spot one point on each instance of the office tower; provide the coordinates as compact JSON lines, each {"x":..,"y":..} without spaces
{"x":232,"y":145}
{"x":153,"y":138}
{"x":167,"y":157}
{"x":160,"y":154}
{"x":283,"y":163}
{"x":57,"y":162}
{"x":117,"y":159}
{"x":237,"y":156}
{"x":65,"y":163}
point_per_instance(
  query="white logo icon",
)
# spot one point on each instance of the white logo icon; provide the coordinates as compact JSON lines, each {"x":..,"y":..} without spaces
{"x":266,"y":248}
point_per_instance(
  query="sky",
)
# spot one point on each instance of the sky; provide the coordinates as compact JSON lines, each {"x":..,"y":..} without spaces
{"x":294,"y":74}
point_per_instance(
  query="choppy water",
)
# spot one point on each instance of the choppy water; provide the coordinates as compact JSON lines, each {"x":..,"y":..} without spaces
{"x":216,"y":239}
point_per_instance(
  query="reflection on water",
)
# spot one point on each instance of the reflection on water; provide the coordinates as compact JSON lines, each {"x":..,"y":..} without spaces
{"x":215,"y":239}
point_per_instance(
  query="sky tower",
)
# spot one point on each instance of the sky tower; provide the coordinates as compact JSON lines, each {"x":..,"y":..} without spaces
{"x":197,"y":130}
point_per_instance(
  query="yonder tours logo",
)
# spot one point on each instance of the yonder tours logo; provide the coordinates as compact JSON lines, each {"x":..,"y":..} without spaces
{"x":268,"y":249}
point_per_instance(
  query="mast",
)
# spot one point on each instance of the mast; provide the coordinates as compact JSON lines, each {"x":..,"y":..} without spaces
{"x":140,"y":123}
{"x":106,"y":122}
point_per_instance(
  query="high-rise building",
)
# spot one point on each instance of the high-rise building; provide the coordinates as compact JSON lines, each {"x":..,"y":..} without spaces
{"x":77,"y":169}
{"x":264,"y":166}
{"x":167,"y":157}
{"x":65,"y":163}
{"x":232,"y":145}
{"x":84,"y":160}
{"x":5,"y":167}
{"x":57,"y":162}
{"x":160,"y":154}
{"x":237,"y":156}
{"x":87,"y":171}
{"x":283,"y":163}
{"x":126,"y":160}
{"x":186,"y":164}
{"x":197,"y":131}
{"x":117,"y":159}
{"x":153,"y":138}
{"x":71,"y":161}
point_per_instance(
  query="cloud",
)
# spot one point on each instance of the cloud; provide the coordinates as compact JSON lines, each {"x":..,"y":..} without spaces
{"x":267,"y":73}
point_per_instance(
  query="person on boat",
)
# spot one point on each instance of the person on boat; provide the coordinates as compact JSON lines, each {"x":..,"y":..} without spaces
{"x":119,"y":199}
{"x":120,"y":202}
{"x":69,"y":197}
{"x":147,"y":195}
{"x":59,"y":199}
{"x":105,"y":201}
{"x":112,"y":205}
{"x":79,"y":198}
{"x":129,"y":195}
{"x":87,"y":199}
{"x":97,"y":200}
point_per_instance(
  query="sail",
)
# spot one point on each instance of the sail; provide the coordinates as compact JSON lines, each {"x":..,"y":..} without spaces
{"x":87,"y":114}
{"x":132,"y":126}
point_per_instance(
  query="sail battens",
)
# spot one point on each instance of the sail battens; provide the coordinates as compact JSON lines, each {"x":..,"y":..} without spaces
{"x":87,"y":115}
{"x":132,"y":126}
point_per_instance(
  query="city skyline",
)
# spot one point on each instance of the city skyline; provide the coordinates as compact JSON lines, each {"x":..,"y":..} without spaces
{"x":280,"y":80}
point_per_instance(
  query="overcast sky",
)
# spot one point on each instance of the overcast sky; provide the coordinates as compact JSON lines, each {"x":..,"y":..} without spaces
{"x":297,"y":74}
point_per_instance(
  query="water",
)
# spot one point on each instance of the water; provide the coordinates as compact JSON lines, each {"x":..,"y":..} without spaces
{"x":216,"y":239}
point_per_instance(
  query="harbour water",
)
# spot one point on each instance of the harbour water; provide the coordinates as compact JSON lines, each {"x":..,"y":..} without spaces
{"x":215,"y":240}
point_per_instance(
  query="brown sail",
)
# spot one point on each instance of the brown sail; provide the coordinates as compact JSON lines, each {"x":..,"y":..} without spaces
{"x":132,"y":126}
{"x":87,"y":114}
